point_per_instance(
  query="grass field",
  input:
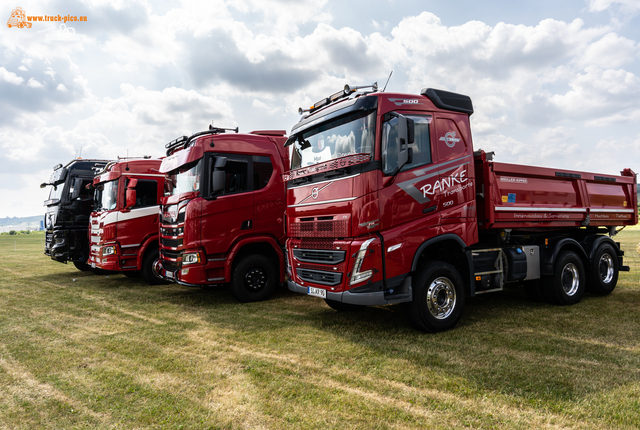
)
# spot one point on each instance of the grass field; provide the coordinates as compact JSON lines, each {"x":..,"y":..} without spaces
{"x":84,"y":351}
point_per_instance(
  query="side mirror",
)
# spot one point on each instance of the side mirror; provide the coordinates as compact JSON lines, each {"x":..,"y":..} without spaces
{"x":218,"y":176}
{"x":131,"y":193}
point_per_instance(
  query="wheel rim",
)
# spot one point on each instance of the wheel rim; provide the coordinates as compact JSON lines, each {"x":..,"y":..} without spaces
{"x":606,"y":268}
{"x":153,"y":268}
{"x":570,"y":279}
{"x":441,"y":298}
{"x":255,"y":279}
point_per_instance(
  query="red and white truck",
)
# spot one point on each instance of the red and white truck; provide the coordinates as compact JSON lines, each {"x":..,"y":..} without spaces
{"x":123,"y":229}
{"x":223,"y":218}
{"x":387,"y":202}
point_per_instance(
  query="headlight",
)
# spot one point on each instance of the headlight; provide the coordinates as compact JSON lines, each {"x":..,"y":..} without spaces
{"x":191,"y":258}
{"x":108,"y":250}
{"x":357,"y":275}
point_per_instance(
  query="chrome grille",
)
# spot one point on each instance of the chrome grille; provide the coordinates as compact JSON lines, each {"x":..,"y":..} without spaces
{"x":319,"y":277}
{"x":319,"y":256}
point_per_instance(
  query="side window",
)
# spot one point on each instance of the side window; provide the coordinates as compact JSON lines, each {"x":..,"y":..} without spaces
{"x":262,"y":170}
{"x":146,"y":193}
{"x":86,"y":193}
{"x":421,"y":145}
{"x":237,"y":171}
{"x":422,"y":142}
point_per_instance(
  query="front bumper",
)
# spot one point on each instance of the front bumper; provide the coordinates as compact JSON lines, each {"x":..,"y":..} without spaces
{"x":67,"y":245}
{"x":365,"y":295}
{"x":193,"y":276}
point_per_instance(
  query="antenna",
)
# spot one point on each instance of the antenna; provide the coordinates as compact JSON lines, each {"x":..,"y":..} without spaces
{"x":385,"y":85}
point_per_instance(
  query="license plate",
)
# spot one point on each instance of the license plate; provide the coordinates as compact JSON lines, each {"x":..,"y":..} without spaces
{"x":93,"y":265}
{"x":318,"y":292}
{"x":168,"y":275}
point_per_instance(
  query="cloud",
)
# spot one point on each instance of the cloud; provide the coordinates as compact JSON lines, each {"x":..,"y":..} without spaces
{"x":628,"y":7}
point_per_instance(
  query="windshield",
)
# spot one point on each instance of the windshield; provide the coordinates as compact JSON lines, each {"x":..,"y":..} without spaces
{"x":186,"y":178}
{"x":351,"y":134}
{"x":106,"y":197}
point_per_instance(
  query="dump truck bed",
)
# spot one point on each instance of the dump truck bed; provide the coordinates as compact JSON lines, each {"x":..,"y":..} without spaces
{"x":518,"y":196}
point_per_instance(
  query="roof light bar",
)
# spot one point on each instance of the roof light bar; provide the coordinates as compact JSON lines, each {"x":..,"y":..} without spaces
{"x":184,"y":140}
{"x":345,"y":92}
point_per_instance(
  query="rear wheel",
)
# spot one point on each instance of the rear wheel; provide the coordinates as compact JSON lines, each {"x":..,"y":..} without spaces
{"x":438,"y":298}
{"x":567,"y":284}
{"x":603,"y":276}
{"x":254,"y":279}
{"x":148,"y":271}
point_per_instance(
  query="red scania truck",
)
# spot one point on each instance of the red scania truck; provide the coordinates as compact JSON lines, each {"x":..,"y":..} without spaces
{"x":223,"y":218}
{"x":387,"y":202}
{"x":123,"y":229}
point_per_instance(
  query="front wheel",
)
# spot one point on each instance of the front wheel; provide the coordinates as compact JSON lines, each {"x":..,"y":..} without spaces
{"x":604,"y":270}
{"x":254,"y":279}
{"x":566,"y":285}
{"x":148,"y":271}
{"x":438,"y":298}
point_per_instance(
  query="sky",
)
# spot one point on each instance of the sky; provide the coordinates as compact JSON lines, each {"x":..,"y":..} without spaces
{"x":553,"y":83}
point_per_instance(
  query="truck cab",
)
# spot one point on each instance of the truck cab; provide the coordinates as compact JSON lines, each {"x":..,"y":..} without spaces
{"x":223,"y":212}
{"x":67,"y":211}
{"x":124,"y":223}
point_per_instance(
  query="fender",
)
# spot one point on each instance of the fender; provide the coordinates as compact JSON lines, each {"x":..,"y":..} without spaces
{"x":463,"y":249}
{"x":596,"y":241}
{"x":549,"y":255}
{"x":235,"y":249}
{"x":153,"y":240}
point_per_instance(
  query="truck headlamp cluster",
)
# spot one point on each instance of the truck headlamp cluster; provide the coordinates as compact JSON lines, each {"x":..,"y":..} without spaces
{"x":191,"y":258}
{"x":357,"y":275}
{"x":109,"y":250}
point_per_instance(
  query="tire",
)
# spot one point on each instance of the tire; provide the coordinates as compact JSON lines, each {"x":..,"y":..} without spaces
{"x":438,"y":298}
{"x":343,"y":307}
{"x":82,"y":266}
{"x":566,"y":286}
{"x":254,"y":279}
{"x":148,"y":272}
{"x":603,"y":275}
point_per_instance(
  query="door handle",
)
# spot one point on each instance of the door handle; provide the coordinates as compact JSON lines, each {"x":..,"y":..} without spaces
{"x":246,"y":225}
{"x":429,"y":209}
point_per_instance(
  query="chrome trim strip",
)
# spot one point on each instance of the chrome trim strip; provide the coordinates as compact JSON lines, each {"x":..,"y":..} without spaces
{"x":613,"y":210}
{"x":324,"y":182}
{"x":129,"y":246}
{"x":324,"y":202}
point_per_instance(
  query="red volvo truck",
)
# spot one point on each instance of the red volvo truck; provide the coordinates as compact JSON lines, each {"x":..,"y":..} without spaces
{"x":123,"y":229}
{"x":387,"y":202}
{"x":223,"y":218}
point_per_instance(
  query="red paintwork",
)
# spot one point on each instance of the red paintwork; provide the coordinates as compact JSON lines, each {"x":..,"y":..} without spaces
{"x":212,"y":227}
{"x":132,"y":231}
{"x":371,"y":204}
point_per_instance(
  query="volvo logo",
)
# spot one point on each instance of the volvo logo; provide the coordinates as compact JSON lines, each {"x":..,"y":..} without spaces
{"x":450,"y":139}
{"x":314,"y":193}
